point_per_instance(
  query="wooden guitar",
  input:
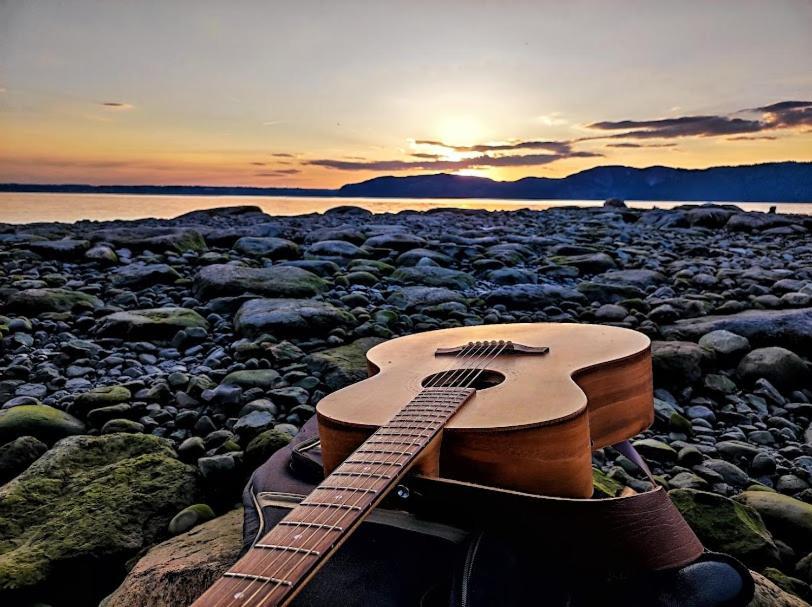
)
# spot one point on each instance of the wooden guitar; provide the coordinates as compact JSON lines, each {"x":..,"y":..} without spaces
{"x":518,"y":406}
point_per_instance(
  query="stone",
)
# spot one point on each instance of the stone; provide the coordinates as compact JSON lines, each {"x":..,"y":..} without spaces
{"x":190,"y":517}
{"x":141,"y":275}
{"x":17,"y":455}
{"x":533,"y":296}
{"x":288,"y":317}
{"x":336,"y":248}
{"x":140,"y":238}
{"x":37,"y":301}
{"x":270,"y":247}
{"x":264,"y":445}
{"x":40,"y":421}
{"x":102,"y":254}
{"x":255,"y":422}
{"x":282,"y":281}
{"x":767,"y":594}
{"x":103,"y":396}
{"x":396,"y":241}
{"x":727,"y":526}
{"x":264,"y":379}
{"x":412,"y":298}
{"x":641,"y":279}
{"x":433,"y":276}
{"x":414,"y":256}
{"x":155,"y":324}
{"x":785,"y":328}
{"x":588,"y":263}
{"x":107,"y":498}
{"x":781,"y":367}
{"x":180,"y":569}
{"x":654,"y":449}
{"x":122,"y":425}
{"x":677,"y":362}
{"x":726,"y":346}
{"x":66,"y":249}
{"x":343,"y":365}
{"x":730,"y":473}
{"x":787,"y":518}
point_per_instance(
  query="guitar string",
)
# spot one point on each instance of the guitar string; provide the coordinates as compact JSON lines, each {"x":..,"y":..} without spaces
{"x":439,"y":378}
{"x":387,"y":462}
{"x":436,"y":380}
{"x":476,"y":371}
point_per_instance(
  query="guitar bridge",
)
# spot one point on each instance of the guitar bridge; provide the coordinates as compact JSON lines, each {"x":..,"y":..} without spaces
{"x":508,"y":347}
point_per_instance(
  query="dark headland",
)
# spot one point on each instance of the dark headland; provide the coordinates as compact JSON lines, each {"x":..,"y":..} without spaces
{"x":768,"y":182}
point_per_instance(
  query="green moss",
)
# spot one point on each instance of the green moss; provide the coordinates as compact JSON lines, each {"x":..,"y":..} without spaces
{"x":727,"y":526}
{"x":263,"y":446}
{"x":603,"y":485}
{"x":88,"y":500}
{"x":343,"y":365}
{"x":151,"y":324}
{"x":37,"y":301}
{"x":787,"y":583}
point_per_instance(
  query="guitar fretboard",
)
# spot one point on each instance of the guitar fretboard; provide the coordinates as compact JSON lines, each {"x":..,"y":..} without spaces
{"x":277,"y":566}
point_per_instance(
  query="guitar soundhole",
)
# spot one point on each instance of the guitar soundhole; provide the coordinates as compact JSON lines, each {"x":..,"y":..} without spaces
{"x":469,"y":378}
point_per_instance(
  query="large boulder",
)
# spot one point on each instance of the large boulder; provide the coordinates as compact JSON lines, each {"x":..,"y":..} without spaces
{"x":344,"y":365}
{"x":158,"y":324}
{"x":787,"y":518}
{"x":588,"y":263}
{"x":288,"y":317}
{"x":37,"y":301}
{"x":70,"y":522}
{"x":781,"y":367}
{"x":224,"y":280}
{"x":180,"y":569}
{"x":268,"y":246}
{"x":727,"y":526}
{"x":141,"y":275}
{"x":786,"y":328}
{"x":40,"y":421}
{"x":66,"y":249}
{"x":642,"y":279}
{"x":155,"y":239}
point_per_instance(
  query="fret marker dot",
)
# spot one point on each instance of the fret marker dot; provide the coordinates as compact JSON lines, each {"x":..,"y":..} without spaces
{"x":239,"y":595}
{"x":297,"y":536}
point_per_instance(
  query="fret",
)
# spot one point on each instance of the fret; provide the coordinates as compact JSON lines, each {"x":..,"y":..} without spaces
{"x":340,"y":488}
{"x":385,"y":451}
{"x":368,"y":462}
{"x":313,"y":525}
{"x":411,"y":426}
{"x":364,"y":474}
{"x":389,"y":442}
{"x":405,"y":413}
{"x":287,"y":549}
{"x":258,"y":578}
{"x":330,"y":505}
{"x":415,"y":435}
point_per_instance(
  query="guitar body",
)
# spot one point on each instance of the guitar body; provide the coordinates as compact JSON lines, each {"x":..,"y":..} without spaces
{"x":534,"y":430}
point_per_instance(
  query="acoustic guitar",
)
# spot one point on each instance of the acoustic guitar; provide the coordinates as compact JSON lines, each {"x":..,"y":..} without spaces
{"x":518,"y":406}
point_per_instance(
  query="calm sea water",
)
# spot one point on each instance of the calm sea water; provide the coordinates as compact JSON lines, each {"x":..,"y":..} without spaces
{"x":32,"y":207}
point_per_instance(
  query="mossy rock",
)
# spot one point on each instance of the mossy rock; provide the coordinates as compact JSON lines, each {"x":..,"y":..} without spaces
{"x":253,"y":378}
{"x":156,"y":324}
{"x":789,"y":519}
{"x":263,"y":446}
{"x":40,"y":421}
{"x":433,"y":276}
{"x":787,"y":583}
{"x":289,"y":317}
{"x":103,"y":396}
{"x":189,"y":517}
{"x":38,"y":301}
{"x":17,"y":455}
{"x":343,"y":365}
{"x":726,"y":526}
{"x":224,"y":280}
{"x":70,"y":522}
{"x":154,"y":238}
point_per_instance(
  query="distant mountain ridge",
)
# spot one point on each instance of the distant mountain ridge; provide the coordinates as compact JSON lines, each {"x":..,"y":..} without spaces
{"x":767,"y":182}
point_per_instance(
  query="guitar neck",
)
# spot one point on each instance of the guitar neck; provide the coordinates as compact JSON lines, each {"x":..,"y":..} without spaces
{"x":276,"y":568}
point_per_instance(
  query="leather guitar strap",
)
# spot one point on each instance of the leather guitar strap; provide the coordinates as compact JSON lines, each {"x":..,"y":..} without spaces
{"x":641,"y":531}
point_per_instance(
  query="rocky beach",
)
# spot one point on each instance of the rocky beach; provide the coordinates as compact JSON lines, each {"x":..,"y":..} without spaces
{"x":147,"y":367}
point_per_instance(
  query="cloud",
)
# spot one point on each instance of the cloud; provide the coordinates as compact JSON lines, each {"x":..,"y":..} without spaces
{"x":628,"y":144}
{"x":448,"y":165}
{"x":753,"y":138}
{"x":553,"y":146}
{"x":116,"y":105}
{"x":277,"y":173}
{"x":282,"y":155}
{"x":781,"y":115}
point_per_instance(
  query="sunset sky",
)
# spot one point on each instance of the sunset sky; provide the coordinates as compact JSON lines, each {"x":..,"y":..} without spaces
{"x":318,"y":94}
